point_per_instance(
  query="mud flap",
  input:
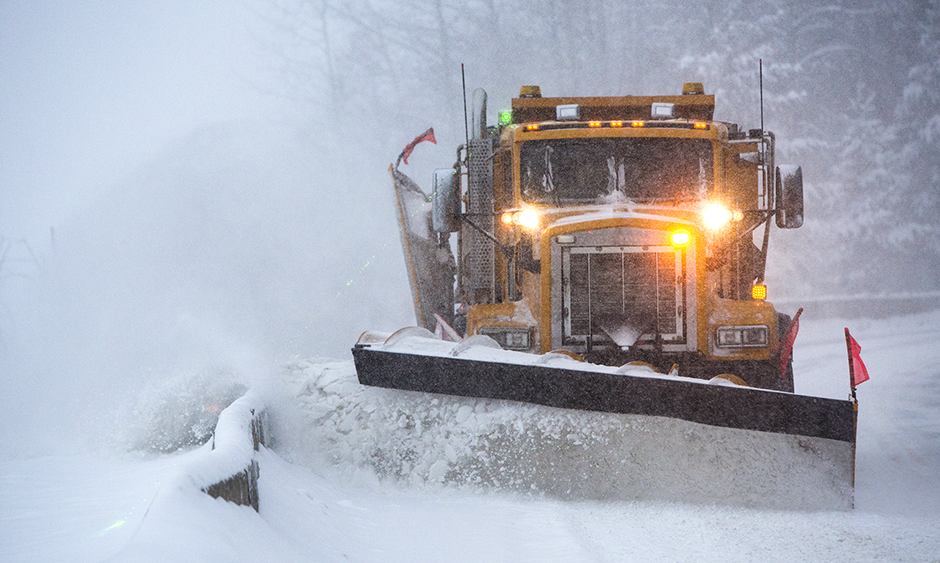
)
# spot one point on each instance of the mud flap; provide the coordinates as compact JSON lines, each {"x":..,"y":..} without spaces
{"x":428,"y":257}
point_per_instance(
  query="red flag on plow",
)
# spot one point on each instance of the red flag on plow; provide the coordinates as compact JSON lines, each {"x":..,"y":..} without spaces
{"x":426,"y":136}
{"x":858,"y":373}
{"x":786,"y":343}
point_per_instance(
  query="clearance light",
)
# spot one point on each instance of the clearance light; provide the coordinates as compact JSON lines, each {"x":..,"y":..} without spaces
{"x":530,"y":92}
{"x":532,"y":127}
{"x":716,"y":216}
{"x":638,"y":124}
{"x":616,"y":123}
{"x":680,"y":238}
{"x":759,"y":292}
{"x":505,"y":117}
{"x":594,"y":123}
{"x":506,"y":218}
{"x":699,"y":125}
{"x":737,"y":216}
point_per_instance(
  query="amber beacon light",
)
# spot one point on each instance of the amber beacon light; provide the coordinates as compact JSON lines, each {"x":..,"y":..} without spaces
{"x":759,"y":291}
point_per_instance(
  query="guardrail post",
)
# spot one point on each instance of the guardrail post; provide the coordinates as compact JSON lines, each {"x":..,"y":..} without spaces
{"x":242,"y":487}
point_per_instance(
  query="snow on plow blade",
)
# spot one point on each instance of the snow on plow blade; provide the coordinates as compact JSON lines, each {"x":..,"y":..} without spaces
{"x":666,"y":438}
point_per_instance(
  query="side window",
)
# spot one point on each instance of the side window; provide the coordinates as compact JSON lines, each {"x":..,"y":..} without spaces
{"x":502,"y":177}
{"x":507,"y":175}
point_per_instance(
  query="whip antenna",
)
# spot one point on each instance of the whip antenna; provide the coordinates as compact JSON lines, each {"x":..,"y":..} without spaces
{"x":466,"y":127}
{"x":760,"y":72}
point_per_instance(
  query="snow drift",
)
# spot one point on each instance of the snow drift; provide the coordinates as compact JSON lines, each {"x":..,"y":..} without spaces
{"x":435,"y":440}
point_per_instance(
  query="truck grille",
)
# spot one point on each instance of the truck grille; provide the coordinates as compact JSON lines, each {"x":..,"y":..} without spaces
{"x":621,"y":286}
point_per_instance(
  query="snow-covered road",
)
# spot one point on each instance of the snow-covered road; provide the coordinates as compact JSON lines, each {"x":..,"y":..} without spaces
{"x":326,"y":507}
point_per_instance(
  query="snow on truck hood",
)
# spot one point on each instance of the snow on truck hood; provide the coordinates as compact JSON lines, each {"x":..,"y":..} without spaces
{"x":607,"y":212}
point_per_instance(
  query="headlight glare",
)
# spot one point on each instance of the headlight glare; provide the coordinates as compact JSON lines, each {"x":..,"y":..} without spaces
{"x":527,"y":218}
{"x":716,"y":216}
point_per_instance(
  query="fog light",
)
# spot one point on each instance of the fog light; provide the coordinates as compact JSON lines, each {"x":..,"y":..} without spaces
{"x":509,"y":337}
{"x":742,"y":336}
{"x":680,"y":238}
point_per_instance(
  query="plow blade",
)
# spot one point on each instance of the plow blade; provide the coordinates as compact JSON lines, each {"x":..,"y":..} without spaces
{"x":756,"y":447}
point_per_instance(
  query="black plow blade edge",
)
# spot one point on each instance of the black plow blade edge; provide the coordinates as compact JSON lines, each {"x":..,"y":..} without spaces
{"x":715,"y":405}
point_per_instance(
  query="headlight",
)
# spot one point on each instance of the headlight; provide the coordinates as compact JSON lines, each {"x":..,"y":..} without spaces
{"x":742,"y":336}
{"x":716,"y":216}
{"x":528,"y":218}
{"x":509,"y":337}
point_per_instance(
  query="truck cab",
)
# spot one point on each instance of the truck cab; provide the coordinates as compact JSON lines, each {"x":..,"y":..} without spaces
{"x":621,"y":229}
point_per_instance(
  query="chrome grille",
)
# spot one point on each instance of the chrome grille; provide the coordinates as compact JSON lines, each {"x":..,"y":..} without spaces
{"x":620,"y":285}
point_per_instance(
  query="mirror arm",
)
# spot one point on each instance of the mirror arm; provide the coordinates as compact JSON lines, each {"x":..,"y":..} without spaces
{"x":763,"y":249}
{"x":466,"y":219}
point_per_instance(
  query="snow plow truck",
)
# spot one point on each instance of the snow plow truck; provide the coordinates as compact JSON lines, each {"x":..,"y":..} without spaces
{"x":610,"y":258}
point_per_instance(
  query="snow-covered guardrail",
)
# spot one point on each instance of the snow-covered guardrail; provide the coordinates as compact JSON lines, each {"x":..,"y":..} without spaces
{"x":230,"y":471}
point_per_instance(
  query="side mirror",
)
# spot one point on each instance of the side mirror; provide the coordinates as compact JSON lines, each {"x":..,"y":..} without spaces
{"x":445,"y":201}
{"x":789,"y":196}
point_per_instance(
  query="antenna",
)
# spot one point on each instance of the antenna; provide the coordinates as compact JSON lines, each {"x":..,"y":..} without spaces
{"x":466,"y":126}
{"x":769,"y":191}
{"x":763,"y":154}
{"x":760,"y":63}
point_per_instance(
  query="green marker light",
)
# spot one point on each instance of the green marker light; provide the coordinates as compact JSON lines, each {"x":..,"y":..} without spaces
{"x":505,"y":117}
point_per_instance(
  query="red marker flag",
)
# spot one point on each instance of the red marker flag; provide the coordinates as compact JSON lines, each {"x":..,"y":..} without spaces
{"x":426,"y":136}
{"x":786,"y":343}
{"x":858,"y":373}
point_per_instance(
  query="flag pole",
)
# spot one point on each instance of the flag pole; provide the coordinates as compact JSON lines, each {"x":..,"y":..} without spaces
{"x":848,"y":348}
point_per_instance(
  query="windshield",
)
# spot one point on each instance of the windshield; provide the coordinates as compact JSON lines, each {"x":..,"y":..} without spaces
{"x":641,"y":169}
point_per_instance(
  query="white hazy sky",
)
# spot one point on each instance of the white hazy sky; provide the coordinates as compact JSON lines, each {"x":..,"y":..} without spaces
{"x":90,"y":89}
